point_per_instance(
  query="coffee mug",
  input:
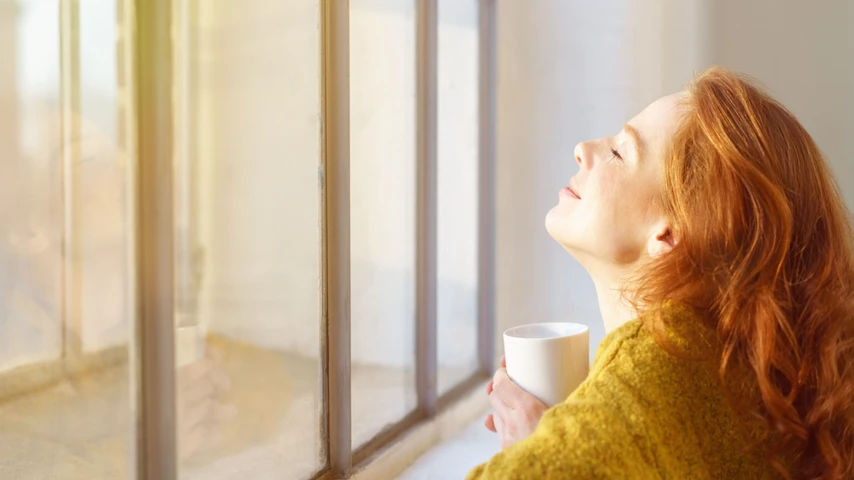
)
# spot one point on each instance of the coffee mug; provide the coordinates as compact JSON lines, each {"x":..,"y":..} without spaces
{"x":548,"y":360}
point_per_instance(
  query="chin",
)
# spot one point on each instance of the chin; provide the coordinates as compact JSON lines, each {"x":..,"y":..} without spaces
{"x":552,"y":224}
{"x":558,"y":228}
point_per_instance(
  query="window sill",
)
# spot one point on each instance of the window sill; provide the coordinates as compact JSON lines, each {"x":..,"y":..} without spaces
{"x":456,"y":457}
{"x":394,"y":460}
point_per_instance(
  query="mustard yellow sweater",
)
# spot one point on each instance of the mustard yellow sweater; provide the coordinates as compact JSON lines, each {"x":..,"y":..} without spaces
{"x":642,"y":413}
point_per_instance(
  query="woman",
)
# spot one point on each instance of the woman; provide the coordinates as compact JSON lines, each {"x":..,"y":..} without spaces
{"x":712,"y":218}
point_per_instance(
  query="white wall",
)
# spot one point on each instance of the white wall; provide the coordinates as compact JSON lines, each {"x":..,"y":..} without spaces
{"x":573,"y":70}
{"x":804,"y":53}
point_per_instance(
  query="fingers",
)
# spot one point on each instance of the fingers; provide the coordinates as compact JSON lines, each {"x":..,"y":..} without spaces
{"x":489,"y":387}
{"x":489,"y":423}
{"x":498,"y":423}
{"x":498,"y":405}
{"x":503,"y":361}
{"x":510,"y":394}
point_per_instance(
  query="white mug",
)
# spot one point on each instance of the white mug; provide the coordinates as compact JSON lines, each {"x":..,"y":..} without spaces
{"x":548,"y":360}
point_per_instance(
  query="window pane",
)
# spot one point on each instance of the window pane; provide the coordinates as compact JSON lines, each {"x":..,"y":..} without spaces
{"x":382,"y":194}
{"x":248,"y":245}
{"x":65,"y":252}
{"x":458,"y":191}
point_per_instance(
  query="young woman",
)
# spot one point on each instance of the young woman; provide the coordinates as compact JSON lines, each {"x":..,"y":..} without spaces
{"x":723,"y":258}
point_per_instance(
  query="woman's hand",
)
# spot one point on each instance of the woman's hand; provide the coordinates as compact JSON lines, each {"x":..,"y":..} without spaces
{"x":517,"y":412}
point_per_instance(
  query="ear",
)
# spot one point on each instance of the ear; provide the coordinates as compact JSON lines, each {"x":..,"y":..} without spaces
{"x":662,"y":240}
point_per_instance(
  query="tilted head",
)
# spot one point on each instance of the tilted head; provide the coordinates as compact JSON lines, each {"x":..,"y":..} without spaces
{"x":725,"y":203}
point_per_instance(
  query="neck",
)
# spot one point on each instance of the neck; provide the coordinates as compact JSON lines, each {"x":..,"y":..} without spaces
{"x":613,"y":307}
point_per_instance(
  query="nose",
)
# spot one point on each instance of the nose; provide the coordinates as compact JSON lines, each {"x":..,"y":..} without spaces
{"x":583,"y":155}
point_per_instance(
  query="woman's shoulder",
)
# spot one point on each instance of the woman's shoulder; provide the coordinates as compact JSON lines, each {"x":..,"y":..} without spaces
{"x":657,"y":379}
{"x":659,"y":352}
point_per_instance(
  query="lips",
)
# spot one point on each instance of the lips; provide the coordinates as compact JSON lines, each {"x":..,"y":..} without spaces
{"x":572,"y":188}
{"x":569,"y":193}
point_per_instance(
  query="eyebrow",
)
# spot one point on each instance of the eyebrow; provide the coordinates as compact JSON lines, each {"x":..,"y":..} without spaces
{"x":632,"y":132}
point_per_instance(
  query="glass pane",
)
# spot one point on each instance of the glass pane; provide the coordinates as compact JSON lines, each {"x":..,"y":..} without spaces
{"x":65,"y":251}
{"x":458,"y":191}
{"x":382,"y":213}
{"x":248,"y":245}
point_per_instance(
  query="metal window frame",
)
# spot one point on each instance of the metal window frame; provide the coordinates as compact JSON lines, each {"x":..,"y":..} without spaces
{"x":69,"y":174}
{"x":156,"y":444}
{"x":426,"y":295}
{"x":486,"y":186}
{"x":335,"y":78}
{"x":125,"y":61}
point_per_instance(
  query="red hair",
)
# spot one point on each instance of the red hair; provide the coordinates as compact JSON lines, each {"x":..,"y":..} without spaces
{"x":766,"y":252}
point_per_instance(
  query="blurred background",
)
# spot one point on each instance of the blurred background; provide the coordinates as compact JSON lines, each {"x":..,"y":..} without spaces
{"x":248,"y":201}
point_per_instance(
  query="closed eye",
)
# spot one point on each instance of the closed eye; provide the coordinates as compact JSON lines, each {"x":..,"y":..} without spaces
{"x":616,"y":154}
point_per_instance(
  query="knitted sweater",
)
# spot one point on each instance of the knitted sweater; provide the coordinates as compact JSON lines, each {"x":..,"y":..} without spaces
{"x":642,"y":413}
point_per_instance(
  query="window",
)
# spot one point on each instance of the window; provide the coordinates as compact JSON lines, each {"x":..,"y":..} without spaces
{"x":383,"y":206}
{"x":257,"y":246}
{"x":247,"y":227}
{"x":459,"y":192}
{"x":66,"y":258}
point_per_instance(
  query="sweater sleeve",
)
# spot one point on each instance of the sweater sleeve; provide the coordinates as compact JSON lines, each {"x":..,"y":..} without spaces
{"x":595,"y":434}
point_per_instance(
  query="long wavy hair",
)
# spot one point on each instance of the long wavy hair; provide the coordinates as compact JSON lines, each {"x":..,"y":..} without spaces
{"x":765,"y":251}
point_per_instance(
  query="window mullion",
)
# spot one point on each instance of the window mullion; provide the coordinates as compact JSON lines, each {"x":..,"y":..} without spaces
{"x":486,"y":187}
{"x":69,"y":47}
{"x":336,"y":193}
{"x":426,"y":205}
{"x":157,"y":443}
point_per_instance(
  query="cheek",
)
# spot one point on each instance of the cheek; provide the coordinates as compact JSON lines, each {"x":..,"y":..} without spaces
{"x":625,"y":195}
{"x":608,"y":191}
{"x":612,"y":219}
{"x":621,"y":212}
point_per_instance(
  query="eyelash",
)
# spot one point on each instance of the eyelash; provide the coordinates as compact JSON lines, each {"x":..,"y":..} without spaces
{"x":616,"y":154}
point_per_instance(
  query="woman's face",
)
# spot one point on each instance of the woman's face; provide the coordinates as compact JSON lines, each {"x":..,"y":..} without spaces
{"x":608,"y":213}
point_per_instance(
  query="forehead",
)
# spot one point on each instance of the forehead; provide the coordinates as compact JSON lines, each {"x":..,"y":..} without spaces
{"x":657,"y":123}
